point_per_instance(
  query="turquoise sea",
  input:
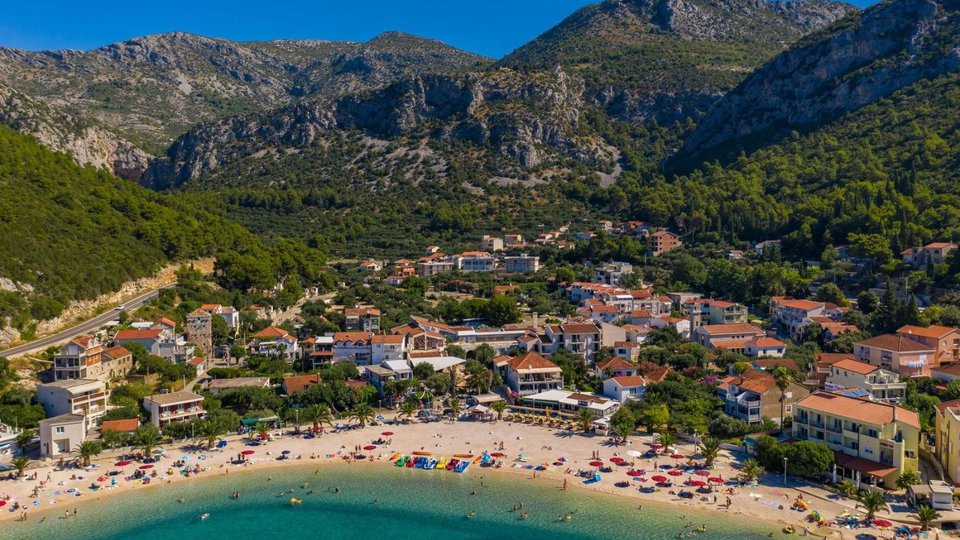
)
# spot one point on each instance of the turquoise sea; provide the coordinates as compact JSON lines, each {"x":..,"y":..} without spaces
{"x":374,"y":502}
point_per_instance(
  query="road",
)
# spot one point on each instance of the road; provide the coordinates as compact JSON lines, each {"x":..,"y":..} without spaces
{"x":82,"y":328}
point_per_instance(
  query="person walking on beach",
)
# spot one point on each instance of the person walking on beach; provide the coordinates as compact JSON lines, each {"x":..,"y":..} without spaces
{"x":564,"y":484}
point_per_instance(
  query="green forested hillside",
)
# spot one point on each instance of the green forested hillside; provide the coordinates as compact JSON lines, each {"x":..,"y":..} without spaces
{"x":890,"y":168}
{"x":70,"y":232}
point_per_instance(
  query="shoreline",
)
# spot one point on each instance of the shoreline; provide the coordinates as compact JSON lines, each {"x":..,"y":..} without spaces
{"x":330,"y":448}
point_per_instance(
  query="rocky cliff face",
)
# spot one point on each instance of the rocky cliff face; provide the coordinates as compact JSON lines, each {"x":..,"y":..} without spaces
{"x":668,"y":60}
{"x":835,"y":71}
{"x":87,"y":143}
{"x":523,"y":115}
{"x":152,"y":89}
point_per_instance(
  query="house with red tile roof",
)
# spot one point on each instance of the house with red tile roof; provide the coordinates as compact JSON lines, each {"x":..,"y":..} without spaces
{"x":354,"y":347}
{"x":730,"y":337}
{"x":898,"y":353}
{"x":531,"y":373}
{"x":932,"y":253}
{"x":615,"y":367}
{"x":754,"y":395}
{"x":625,"y":387}
{"x":882,"y":385}
{"x":663,"y":241}
{"x":297,"y":383}
{"x":944,"y":339}
{"x":362,"y":319}
{"x":794,"y":315}
{"x":765,"y":347}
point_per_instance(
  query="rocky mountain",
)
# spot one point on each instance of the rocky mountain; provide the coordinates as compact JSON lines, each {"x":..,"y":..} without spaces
{"x":531,"y":117}
{"x":837,"y":70}
{"x":87,"y":143}
{"x":152,"y":89}
{"x":669,"y":59}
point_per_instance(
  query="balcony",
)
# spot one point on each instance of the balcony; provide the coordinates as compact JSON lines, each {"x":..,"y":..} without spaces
{"x":834,"y":428}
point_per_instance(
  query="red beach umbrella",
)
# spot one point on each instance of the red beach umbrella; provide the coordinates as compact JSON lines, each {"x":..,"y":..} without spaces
{"x":656,"y":446}
{"x":675,"y":473}
{"x":497,"y":454}
{"x":370,"y":447}
{"x":123,"y":463}
{"x":715,"y":479}
{"x":387,"y":433}
{"x":634,"y":473}
{"x":659,"y":478}
{"x":145,"y":467}
{"x":596,"y":464}
{"x":3,"y":503}
{"x":696,"y":483}
{"x":677,"y":456}
{"x":702,"y":473}
{"x":882,"y":523}
{"x":617,"y":459}
{"x":248,"y":452}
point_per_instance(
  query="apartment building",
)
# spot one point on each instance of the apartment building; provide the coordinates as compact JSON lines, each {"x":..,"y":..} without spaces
{"x":730,"y":337}
{"x":531,"y":373}
{"x":86,"y":358}
{"x":475,"y":261}
{"x":873,"y":442}
{"x":362,"y":319}
{"x":945,"y":341}
{"x":173,"y":408}
{"x":86,"y":397}
{"x":794,"y":315}
{"x":521,"y":264}
{"x":663,"y":242}
{"x":754,"y":395}
{"x":947,"y":437}
{"x":898,"y":353}
{"x":610,"y":273}
{"x":882,"y":385}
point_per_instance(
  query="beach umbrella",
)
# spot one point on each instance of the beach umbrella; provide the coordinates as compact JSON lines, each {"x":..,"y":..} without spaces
{"x":369,"y":447}
{"x":634,"y":473}
{"x":617,"y":459}
{"x":596,"y":464}
{"x":498,"y":454}
{"x":676,"y":456}
{"x":145,"y":467}
{"x":221,"y":443}
{"x":285,"y":452}
{"x":264,"y":436}
{"x":635,"y":453}
{"x":387,"y":433}
{"x":882,"y":523}
{"x":696,"y":483}
{"x":656,"y":446}
{"x":3,"y":503}
{"x":715,"y":479}
{"x":702,"y":473}
{"x":123,"y":463}
{"x":659,"y":478}
{"x":675,"y":473}
{"x":248,"y":452}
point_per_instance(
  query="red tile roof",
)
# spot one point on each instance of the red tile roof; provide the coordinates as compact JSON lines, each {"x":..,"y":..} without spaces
{"x":271,"y":332}
{"x":117,"y":352}
{"x":615,"y":363}
{"x":767,"y":343}
{"x":122,"y":426}
{"x":531,"y":360}
{"x":862,"y":368}
{"x":736,"y":328}
{"x":300,"y":382}
{"x":341,"y":337}
{"x":934,"y":332}
{"x":866,"y":411}
{"x":153,"y":333}
{"x":627,"y":381}
{"x":892,"y":342}
{"x":393,"y":339}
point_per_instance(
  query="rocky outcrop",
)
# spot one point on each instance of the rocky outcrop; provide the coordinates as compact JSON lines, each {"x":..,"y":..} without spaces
{"x":524,"y":116}
{"x":836,"y":71}
{"x":155,"y":88}
{"x":88,"y":144}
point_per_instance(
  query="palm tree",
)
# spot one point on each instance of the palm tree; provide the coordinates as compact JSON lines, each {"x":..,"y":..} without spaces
{"x":262,"y":429}
{"x":498,"y":407}
{"x":908,"y":478}
{"x":20,"y":464}
{"x":751,"y":470}
{"x":925,"y":515}
{"x":455,"y":407}
{"x":318,"y":415}
{"x":709,"y":449}
{"x":872,"y":502}
{"x":847,"y":488}
{"x":585,"y":419}
{"x":363,"y":413}
{"x":782,"y":378}
{"x":147,"y":438}
{"x":408,"y":409}
{"x":87,"y":450}
{"x":667,"y":439}
{"x":210,"y":430}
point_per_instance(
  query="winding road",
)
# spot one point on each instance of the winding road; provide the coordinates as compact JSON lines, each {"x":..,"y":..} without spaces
{"x":82,"y":328}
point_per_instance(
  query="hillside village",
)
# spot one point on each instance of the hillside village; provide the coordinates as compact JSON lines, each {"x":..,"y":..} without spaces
{"x":609,"y":353}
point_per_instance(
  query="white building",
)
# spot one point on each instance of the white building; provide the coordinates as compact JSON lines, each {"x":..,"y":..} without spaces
{"x":60,"y":435}
{"x":74,"y":396}
{"x":625,"y":388}
{"x":520,"y":264}
{"x":610,"y":273}
{"x":173,"y":408}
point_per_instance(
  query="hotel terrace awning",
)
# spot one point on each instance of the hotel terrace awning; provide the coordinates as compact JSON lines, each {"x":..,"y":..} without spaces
{"x":865,"y":466}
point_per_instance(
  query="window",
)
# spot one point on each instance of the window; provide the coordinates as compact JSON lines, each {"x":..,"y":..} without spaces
{"x":59,"y":429}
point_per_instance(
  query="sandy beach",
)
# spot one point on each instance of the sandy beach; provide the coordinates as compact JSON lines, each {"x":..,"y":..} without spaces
{"x":540,"y":445}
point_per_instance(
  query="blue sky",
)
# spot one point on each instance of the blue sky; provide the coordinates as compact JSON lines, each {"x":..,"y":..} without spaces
{"x":490,"y":27}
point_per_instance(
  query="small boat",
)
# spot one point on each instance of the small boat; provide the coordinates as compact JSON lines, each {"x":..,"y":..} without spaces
{"x":295,"y":501}
{"x":204,"y":516}
{"x":789,"y":529}
{"x":410,"y":463}
{"x":442,"y":463}
{"x":395,"y":456}
{"x":402,"y":461}
{"x":463,"y":456}
{"x":452,"y":464}
{"x":462,"y":466}
{"x":432,"y":464}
